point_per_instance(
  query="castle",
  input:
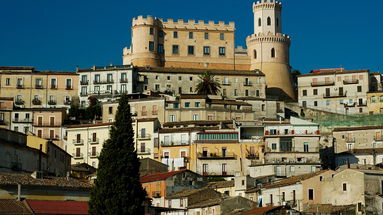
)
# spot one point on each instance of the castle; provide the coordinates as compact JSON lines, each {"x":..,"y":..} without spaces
{"x":210,"y":45}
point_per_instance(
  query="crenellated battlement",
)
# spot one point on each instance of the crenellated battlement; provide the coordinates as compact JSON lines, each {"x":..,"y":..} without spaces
{"x":267,"y":4}
{"x":181,"y":24}
{"x":278,"y":37}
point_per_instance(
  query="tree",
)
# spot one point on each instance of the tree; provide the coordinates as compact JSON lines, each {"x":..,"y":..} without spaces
{"x":208,"y":85}
{"x":94,"y":110}
{"x":294,"y":75}
{"x":117,"y":188}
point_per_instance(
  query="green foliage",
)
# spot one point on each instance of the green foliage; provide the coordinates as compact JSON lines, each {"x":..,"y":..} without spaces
{"x":94,"y":110}
{"x":208,"y":85}
{"x":117,"y":188}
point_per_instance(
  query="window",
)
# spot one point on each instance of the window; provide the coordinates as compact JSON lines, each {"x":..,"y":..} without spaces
{"x":172,"y":118}
{"x":206,"y":36}
{"x":97,"y":89}
{"x":277,"y":22}
{"x":157,"y":87}
{"x":255,"y":54}
{"x":160,"y":48}
{"x":190,"y":50}
{"x":197,"y":104}
{"x":109,"y":88}
{"x":151,"y":31}
{"x":123,"y":88}
{"x":272,"y":53}
{"x":187,"y":104}
{"x":268,"y":21}
{"x":206,"y":50}
{"x":19,"y":83}
{"x":274,"y":146}
{"x":204,"y":168}
{"x":52,"y":121}
{"x":327,"y":102}
{"x":161,"y":34}
{"x":304,"y":92}
{"x":191,"y":78}
{"x":315,"y":92}
{"x":97,"y":78}
{"x":190,"y":35}
{"x":151,"y":46}
{"x":246,"y":92}
{"x":110,"y":110}
{"x":109,"y":78}
{"x":175,"y":34}
{"x":222,"y":51}
{"x":259,"y":22}
{"x":191,"y":89}
{"x":306,"y":147}
{"x":16,"y":128}
{"x":175,"y":49}
{"x":283,"y":196}
{"x":359,"y":89}
{"x":7,"y":81}
{"x":315,"y":103}
{"x":195,"y":117}
{"x":235,"y":92}
{"x":53,"y":83}
{"x":344,"y":187}
{"x":175,"y":105}
{"x":38,"y":83}
{"x":311,"y":194}
{"x":69,"y":83}
{"x":271,"y":199}
{"x":221,"y":36}
{"x":359,"y":207}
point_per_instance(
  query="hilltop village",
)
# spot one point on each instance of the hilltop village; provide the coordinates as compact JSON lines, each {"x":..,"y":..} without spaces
{"x":268,"y":142}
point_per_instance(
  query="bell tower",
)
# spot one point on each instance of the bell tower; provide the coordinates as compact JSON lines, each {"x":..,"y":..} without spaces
{"x":269,"y":49}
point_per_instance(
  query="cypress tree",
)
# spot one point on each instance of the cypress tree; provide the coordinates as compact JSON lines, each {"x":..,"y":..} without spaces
{"x":117,"y":188}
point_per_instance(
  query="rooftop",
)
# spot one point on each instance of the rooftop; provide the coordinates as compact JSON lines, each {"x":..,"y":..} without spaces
{"x":45,"y":207}
{"x":261,"y":210}
{"x":158,"y":176}
{"x":13,"y":207}
{"x":337,"y":71}
{"x":293,"y":180}
{"x":221,"y":184}
{"x":358,"y":128}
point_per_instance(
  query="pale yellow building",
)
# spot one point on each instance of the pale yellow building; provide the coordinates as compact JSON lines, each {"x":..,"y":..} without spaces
{"x":6,"y":107}
{"x":37,"y":89}
{"x":375,"y":102}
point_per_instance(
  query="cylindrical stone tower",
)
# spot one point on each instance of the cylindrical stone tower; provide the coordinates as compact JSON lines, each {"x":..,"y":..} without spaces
{"x":268,"y":48}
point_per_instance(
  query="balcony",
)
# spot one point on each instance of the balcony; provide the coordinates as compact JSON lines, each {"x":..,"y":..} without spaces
{"x":156,"y":194}
{"x":362,"y":104}
{"x":67,"y":102}
{"x":335,"y":95}
{"x":216,"y":156}
{"x":36,"y":102}
{"x":18,"y":120}
{"x":69,"y":87}
{"x":109,"y":81}
{"x":226,"y":83}
{"x":94,"y":155}
{"x":356,"y":81}
{"x":174,"y":143}
{"x":39,"y":86}
{"x":52,"y":102}
{"x":20,"y":86}
{"x":352,"y":104}
{"x":123,"y":80}
{"x":322,"y":83}
{"x":19,"y":102}
{"x":93,"y":141}
{"x":143,"y":137}
{"x":36,"y":124}
{"x":247,"y":83}
{"x":378,"y":138}
{"x":83,"y":94}
{"x":84,"y":82}
{"x":53,"y":87}
{"x":77,"y":142}
{"x":252,"y":156}
{"x":103,"y":82}
{"x":78,"y":155}
{"x":145,"y":151}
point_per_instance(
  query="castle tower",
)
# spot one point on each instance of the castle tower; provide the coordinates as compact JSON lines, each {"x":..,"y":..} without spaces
{"x":146,"y":36}
{"x":268,"y":48}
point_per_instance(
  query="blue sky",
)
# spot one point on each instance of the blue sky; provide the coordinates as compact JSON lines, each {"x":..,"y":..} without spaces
{"x":60,"y":34}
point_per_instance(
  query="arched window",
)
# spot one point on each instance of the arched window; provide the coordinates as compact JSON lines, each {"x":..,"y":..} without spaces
{"x":273,"y":53}
{"x":259,"y":22}
{"x":255,"y":54}
{"x":268,"y":21}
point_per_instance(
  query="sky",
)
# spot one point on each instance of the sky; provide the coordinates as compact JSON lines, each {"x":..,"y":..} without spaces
{"x":62,"y":34}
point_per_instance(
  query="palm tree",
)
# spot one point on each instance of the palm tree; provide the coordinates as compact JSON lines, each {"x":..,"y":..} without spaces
{"x":207,"y":84}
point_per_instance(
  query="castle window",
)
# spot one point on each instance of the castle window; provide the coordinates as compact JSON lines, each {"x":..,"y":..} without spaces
{"x":206,"y":36}
{"x":206,"y":50}
{"x":175,"y":49}
{"x":268,"y":21}
{"x":161,"y":33}
{"x":259,"y":22}
{"x":151,"y":31}
{"x":190,"y":50}
{"x":277,"y":22}
{"x":160,"y":49}
{"x":255,"y":54}
{"x":222,"y":51}
{"x":151,"y":46}
{"x":221,"y":36}
{"x":273,"y":53}
{"x":190,"y":35}
{"x":175,"y":34}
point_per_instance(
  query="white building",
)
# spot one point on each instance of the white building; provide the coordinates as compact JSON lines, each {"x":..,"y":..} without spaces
{"x":105,"y":82}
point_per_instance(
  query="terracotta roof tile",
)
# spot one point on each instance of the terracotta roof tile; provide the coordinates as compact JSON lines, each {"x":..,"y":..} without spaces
{"x":293,"y":180}
{"x":13,"y":207}
{"x":43,"y":207}
{"x":158,"y":176}
{"x":260,"y":211}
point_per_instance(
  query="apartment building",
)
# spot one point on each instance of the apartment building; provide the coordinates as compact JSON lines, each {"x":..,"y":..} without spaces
{"x":335,"y":90}
{"x":184,"y":81}
{"x":37,"y":89}
{"x":291,"y":148}
{"x":350,"y":138}
{"x":6,"y":107}
{"x":105,"y":83}
{"x":146,"y":137}
{"x":375,"y":102}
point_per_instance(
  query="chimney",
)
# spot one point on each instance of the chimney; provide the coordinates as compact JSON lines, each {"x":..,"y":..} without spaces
{"x":18,"y":192}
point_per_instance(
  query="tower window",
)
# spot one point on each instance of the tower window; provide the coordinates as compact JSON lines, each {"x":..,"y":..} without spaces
{"x":255,"y":54}
{"x":273,"y":53}
{"x":151,"y":46}
{"x":151,"y":31}
{"x":268,"y":21}
{"x":277,"y":22}
{"x":190,"y":35}
{"x":175,"y":34}
{"x":259,"y":22}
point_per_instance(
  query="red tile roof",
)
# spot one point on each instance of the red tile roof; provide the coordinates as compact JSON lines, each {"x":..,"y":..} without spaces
{"x":12,"y":206}
{"x":58,"y":207}
{"x":158,"y":176}
{"x":260,"y":211}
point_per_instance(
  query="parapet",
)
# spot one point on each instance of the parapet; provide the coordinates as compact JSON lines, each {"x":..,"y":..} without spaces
{"x":270,"y":37}
{"x":142,"y":20}
{"x":267,"y":4}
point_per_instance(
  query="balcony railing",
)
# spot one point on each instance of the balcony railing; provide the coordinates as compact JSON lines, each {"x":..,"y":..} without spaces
{"x":46,"y":124}
{"x":322,"y":83}
{"x":78,"y":155}
{"x":94,"y":155}
{"x":143,"y":136}
{"x":352,"y":104}
{"x":78,"y":142}
{"x":83,"y":94}
{"x":19,"y":102}
{"x":252,"y":156}
{"x":123,"y":80}
{"x":52,"y":102}
{"x":247,"y":83}
{"x":69,"y":87}
{"x":18,"y":120}
{"x":335,"y":95}
{"x":20,"y":86}
{"x":174,"y":143}
{"x":226,"y":83}
{"x":39,"y":86}
{"x":36,"y":102}
{"x":103,"y":82}
{"x":53,"y":86}
{"x":93,"y":141}
{"x":109,"y":81}
{"x":67,"y":102}
{"x":362,"y":104}
{"x":144,"y":151}
{"x":355,"y":81}
{"x":216,"y":156}
{"x":84,"y":82}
